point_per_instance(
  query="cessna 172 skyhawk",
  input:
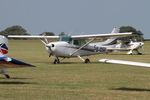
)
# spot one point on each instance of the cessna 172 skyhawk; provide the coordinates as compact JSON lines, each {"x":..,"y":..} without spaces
{"x":8,"y":62}
{"x":74,"y":46}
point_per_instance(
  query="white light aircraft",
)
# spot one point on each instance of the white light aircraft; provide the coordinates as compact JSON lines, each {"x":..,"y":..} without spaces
{"x":114,"y":44}
{"x":8,"y":62}
{"x":74,"y":46}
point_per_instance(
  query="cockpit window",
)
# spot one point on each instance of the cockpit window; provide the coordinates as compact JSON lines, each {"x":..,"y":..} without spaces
{"x":76,"y":42}
{"x":69,"y":39}
{"x":65,"y":38}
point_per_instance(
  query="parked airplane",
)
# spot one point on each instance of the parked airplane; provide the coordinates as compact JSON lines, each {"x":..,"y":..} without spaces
{"x":74,"y":46}
{"x":114,"y":44}
{"x":132,"y":48}
{"x":8,"y":62}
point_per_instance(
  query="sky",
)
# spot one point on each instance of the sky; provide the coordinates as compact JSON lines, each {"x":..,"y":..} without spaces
{"x":75,"y":16}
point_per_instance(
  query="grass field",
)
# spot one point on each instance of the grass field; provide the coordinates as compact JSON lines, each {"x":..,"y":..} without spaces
{"x":73,"y":80}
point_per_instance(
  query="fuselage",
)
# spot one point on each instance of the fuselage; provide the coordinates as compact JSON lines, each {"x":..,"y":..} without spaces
{"x":65,"y":49}
{"x":74,"y":48}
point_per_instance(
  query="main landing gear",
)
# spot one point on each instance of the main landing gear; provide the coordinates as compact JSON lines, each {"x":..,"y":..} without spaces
{"x":57,"y":61}
{"x":87,"y":60}
{"x":134,"y":52}
{"x":84,"y":60}
{"x":3,"y":72}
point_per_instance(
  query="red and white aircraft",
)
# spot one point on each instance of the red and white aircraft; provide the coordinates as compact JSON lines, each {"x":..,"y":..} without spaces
{"x":8,"y":62}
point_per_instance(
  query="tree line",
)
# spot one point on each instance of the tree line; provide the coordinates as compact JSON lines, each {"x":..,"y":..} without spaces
{"x":19,"y":30}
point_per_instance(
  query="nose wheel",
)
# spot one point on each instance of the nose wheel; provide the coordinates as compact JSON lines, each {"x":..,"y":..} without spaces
{"x":56,"y":61}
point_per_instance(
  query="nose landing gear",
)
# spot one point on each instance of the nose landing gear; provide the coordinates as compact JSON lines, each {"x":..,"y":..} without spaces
{"x":56,"y":61}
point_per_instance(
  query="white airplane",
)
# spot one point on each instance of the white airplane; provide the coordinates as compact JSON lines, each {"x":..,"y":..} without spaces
{"x":132,"y":48}
{"x":74,"y":46}
{"x":114,"y":44}
{"x":8,"y":62}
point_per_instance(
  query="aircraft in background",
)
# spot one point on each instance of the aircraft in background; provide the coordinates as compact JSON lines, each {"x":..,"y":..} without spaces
{"x":115,"y":44}
{"x":8,"y":62}
{"x":74,"y":46}
{"x":132,"y":48}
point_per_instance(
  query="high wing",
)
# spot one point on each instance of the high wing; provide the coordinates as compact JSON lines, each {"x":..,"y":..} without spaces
{"x":8,"y":62}
{"x":102,"y":35}
{"x":76,"y":36}
{"x":32,"y":36}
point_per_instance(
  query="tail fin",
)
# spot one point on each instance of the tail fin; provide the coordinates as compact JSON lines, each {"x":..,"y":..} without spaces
{"x":111,"y":40}
{"x":3,"y":45}
{"x":115,"y":30}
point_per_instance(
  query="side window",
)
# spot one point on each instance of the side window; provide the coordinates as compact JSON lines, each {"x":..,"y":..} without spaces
{"x":79,"y":42}
{"x":82,"y":42}
{"x":76,"y":42}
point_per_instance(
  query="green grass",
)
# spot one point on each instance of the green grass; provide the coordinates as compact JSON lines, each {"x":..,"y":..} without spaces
{"x":72,"y":79}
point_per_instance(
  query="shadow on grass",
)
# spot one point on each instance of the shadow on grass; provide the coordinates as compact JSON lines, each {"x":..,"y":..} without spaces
{"x":131,"y":89}
{"x":16,"y":78}
{"x":61,"y":63}
{"x":19,"y":78}
{"x":15,"y":82}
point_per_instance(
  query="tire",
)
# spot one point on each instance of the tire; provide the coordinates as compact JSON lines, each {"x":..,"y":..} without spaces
{"x":87,"y":61}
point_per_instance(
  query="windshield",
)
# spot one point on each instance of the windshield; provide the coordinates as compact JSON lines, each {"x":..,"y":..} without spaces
{"x":66,"y":38}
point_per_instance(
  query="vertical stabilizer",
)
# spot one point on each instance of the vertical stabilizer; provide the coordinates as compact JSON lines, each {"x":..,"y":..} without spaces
{"x":115,"y":30}
{"x":112,"y":40}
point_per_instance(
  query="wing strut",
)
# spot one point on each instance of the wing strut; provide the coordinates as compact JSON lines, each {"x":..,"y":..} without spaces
{"x":81,"y":58}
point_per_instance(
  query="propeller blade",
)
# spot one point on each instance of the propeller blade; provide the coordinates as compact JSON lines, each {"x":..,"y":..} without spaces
{"x":46,"y":41}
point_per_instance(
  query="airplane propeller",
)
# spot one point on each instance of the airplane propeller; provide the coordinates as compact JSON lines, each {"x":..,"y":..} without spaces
{"x":49,"y":49}
{"x":47,"y":45}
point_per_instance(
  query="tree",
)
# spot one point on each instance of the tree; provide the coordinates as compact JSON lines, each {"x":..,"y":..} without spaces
{"x":47,"y":33}
{"x":138,"y":34}
{"x":130,"y":29}
{"x":14,"y":30}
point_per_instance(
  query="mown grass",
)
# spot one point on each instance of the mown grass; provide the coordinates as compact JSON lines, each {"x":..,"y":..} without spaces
{"x":72,"y":79}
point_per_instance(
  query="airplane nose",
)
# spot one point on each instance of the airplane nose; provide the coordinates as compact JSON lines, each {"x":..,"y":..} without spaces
{"x":50,"y":47}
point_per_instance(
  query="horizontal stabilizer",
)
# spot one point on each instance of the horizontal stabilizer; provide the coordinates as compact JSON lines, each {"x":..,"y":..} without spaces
{"x":138,"y":64}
